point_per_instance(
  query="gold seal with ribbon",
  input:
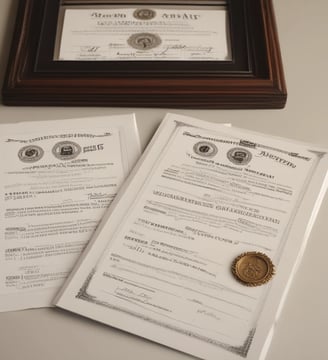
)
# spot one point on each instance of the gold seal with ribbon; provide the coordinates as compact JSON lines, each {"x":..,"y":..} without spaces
{"x":253,"y":268}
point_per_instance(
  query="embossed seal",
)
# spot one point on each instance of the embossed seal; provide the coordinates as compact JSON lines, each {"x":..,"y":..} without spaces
{"x":205,"y":148}
{"x":239,"y":156}
{"x":144,"y":14}
{"x":144,"y":41}
{"x":253,"y":268}
{"x":30,"y":153}
{"x":66,"y":150}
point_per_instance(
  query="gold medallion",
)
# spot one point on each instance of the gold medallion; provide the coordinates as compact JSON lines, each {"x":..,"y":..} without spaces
{"x":253,"y":268}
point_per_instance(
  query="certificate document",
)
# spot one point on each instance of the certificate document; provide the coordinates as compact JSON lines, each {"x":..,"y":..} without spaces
{"x":57,"y":179}
{"x":202,"y":195}
{"x":144,"y":33}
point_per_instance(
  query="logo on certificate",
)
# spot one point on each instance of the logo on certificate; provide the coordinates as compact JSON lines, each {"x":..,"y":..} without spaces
{"x":31,"y":153}
{"x":205,"y":148}
{"x":66,"y":150}
{"x":144,"y":41}
{"x":239,"y":156}
{"x":144,"y":14}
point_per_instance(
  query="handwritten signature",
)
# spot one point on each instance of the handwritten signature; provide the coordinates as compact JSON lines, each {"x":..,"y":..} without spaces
{"x":192,"y":49}
{"x":133,"y":295}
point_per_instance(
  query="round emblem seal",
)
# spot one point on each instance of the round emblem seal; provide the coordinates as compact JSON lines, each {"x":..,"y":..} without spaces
{"x":144,"y":14}
{"x":66,"y":150}
{"x":239,"y":156}
{"x":205,"y":148}
{"x":253,"y":268}
{"x":30,"y":153}
{"x":144,"y":41}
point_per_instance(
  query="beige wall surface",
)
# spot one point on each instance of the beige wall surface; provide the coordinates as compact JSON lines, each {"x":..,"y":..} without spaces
{"x":301,"y":332}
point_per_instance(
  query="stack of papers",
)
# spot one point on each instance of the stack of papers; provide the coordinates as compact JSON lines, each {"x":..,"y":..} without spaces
{"x":199,"y":247}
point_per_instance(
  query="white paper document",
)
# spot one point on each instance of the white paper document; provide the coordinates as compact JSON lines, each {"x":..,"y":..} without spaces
{"x":57,"y":179}
{"x":144,"y":33}
{"x":201,"y":195}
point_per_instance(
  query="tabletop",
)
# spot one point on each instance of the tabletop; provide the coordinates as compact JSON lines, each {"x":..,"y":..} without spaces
{"x":300,"y":332}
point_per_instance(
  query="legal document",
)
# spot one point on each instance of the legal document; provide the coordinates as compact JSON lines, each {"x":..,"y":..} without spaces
{"x":143,"y":33}
{"x":201,"y":196}
{"x":57,"y":180}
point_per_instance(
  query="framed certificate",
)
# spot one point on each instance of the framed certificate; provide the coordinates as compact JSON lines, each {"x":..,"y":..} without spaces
{"x":173,"y":53}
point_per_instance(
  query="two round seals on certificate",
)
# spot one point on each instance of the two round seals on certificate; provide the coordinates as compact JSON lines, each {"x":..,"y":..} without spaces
{"x":253,"y":268}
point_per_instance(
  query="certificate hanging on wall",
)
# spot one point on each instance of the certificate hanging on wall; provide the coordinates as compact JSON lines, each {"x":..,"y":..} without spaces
{"x":194,"y":54}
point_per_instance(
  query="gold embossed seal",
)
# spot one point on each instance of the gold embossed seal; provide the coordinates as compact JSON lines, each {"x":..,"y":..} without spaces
{"x":253,"y":268}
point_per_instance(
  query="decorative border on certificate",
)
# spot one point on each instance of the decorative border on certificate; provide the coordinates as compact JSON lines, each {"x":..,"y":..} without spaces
{"x":239,"y":155}
{"x":239,"y":350}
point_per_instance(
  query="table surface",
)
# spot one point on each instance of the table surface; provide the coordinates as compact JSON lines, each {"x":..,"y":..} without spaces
{"x":301,"y":332}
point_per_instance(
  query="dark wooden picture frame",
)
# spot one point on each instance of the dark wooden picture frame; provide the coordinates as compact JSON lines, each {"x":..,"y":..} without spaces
{"x":252,"y":79}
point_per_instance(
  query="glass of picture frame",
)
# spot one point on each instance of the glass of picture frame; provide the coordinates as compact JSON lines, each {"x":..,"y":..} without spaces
{"x":109,"y":31}
{"x":172,"y":53}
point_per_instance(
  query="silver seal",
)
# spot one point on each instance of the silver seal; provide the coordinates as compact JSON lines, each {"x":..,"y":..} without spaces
{"x":66,"y":150}
{"x":239,"y":156}
{"x":205,"y":148}
{"x":144,"y":41}
{"x":144,"y":14}
{"x":30,"y":153}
